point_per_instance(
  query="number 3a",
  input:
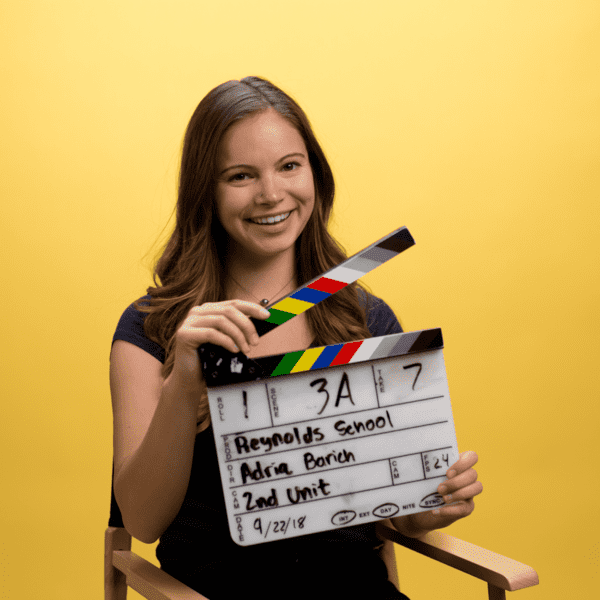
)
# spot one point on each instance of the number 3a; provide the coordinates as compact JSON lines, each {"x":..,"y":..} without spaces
{"x":343,"y":383}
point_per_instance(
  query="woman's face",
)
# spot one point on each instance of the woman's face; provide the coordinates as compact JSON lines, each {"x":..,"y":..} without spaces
{"x":265,"y":190}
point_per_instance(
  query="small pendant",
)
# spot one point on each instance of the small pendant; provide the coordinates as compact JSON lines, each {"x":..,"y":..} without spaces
{"x":264,"y":302}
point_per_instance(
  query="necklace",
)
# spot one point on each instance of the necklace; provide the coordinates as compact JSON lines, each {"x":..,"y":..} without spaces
{"x":264,"y":301}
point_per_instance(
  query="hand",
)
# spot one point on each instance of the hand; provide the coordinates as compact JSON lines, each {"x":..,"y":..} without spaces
{"x":458,"y":493}
{"x":225,"y":324}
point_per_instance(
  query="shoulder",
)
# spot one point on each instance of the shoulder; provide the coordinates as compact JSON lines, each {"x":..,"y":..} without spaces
{"x":381,"y":319}
{"x":130,"y":328}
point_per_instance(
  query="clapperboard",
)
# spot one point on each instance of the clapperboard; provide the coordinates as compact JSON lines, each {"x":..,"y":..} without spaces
{"x":334,"y":436}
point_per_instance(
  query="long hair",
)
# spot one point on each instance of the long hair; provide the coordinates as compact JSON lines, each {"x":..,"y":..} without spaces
{"x":190,"y":270}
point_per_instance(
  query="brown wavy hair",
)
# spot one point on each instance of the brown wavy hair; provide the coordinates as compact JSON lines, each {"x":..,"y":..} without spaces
{"x":190,"y":270}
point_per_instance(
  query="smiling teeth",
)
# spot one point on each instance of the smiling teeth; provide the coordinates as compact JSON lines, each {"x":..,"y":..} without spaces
{"x":268,"y":220}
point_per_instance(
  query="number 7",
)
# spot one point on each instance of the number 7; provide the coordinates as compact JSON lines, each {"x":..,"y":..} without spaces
{"x":418,"y":372}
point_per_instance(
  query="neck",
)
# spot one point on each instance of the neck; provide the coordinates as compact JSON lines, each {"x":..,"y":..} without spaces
{"x":270,"y":277}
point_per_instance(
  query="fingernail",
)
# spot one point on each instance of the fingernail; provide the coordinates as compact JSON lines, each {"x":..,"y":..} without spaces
{"x":265,"y":312}
{"x":448,"y":498}
{"x":450,"y":474}
{"x":442,"y":490}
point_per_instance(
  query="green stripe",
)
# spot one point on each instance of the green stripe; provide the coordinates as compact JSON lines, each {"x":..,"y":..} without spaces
{"x":287,"y":363}
{"x":279,"y":316}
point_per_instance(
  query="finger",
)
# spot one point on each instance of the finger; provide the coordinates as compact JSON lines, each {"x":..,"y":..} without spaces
{"x":252,"y":309}
{"x":221,"y":316}
{"x":458,"y":510}
{"x":465,"y":461}
{"x":242,"y":324}
{"x":218,"y":338}
{"x":245,"y":310}
{"x":238,"y":327}
{"x":216,"y":329}
{"x":238,"y":311}
{"x":465,"y":493}
{"x":458,"y":481}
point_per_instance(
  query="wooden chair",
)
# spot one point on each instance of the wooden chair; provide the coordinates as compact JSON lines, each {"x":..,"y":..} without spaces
{"x":123,"y":568}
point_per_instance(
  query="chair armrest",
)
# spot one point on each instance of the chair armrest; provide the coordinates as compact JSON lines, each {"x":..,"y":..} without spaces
{"x":495,"y":569}
{"x":149,"y":581}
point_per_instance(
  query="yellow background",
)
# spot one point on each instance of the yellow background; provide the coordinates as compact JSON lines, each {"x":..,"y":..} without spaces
{"x":474,"y":123}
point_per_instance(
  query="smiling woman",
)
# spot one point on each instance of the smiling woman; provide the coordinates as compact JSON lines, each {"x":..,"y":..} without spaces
{"x":265,"y":193}
{"x":254,"y":201}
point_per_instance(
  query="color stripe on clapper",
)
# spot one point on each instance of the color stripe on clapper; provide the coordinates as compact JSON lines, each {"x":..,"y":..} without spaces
{"x":386,"y":346}
{"x":313,"y":359}
{"x":335,"y":279}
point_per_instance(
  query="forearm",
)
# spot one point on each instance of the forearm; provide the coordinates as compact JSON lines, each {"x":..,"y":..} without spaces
{"x":151,"y":485}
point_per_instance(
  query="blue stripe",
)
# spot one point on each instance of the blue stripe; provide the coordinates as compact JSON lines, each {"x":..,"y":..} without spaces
{"x":326,"y":357}
{"x":310,"y":295}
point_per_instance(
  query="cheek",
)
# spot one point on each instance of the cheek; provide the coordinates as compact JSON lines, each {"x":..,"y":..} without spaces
{"x":306,"y":189}
{"x":228,"y":203}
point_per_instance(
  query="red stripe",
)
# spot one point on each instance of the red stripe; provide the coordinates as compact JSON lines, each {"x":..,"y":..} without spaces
{"x":346,"y":353}
{"x":324,"y":284}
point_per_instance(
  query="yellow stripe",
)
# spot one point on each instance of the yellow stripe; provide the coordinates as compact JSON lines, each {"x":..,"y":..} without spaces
{"x":307,"y":360}
{"x":291,"y":305}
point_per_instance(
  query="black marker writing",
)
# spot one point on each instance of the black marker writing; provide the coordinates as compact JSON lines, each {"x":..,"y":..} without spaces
{"x":261,"y":473}
{"x":279,"y":526}
{"x":358,"y":426}
{"x":343,"y":383}
{"x":308,"y":493}
{"x":312,"y":462}
{"x":243,"y":444}
{"x":420,"y":366}
{"x":260,"y":502}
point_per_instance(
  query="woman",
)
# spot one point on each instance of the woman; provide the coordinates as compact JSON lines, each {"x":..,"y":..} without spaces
{"x":255,"y":196}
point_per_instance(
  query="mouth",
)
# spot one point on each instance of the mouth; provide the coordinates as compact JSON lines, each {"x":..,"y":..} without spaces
{"x":270,"y":220}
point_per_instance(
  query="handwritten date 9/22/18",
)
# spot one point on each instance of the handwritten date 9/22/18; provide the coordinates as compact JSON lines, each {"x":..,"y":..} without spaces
{"x":278,"y":527}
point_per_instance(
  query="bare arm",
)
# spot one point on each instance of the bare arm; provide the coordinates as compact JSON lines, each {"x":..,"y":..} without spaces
{"x":154,"y":435}
{"x":155,"y":419}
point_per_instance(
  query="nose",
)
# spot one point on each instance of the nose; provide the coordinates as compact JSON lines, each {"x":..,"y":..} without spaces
{"x":269,"y":191}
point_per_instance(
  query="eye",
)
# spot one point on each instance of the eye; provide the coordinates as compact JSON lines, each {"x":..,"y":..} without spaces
{"x":239,"y":177}
{"x":290,"y":166}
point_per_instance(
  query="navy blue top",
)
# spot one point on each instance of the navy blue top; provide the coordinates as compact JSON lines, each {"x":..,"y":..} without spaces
{"x":197,"y":547}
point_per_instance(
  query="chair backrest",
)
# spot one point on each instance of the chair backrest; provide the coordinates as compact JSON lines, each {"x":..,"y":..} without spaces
{"x":115,"y":581}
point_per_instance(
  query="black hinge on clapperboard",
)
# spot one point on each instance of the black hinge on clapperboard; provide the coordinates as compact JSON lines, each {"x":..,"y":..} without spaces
{"x":221,"y":367}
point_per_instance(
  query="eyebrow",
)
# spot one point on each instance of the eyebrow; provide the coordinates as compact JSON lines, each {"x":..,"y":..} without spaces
{"x":250,"y":166}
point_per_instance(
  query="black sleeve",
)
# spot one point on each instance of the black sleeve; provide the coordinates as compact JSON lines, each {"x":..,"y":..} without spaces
{"x":131,"y":329}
